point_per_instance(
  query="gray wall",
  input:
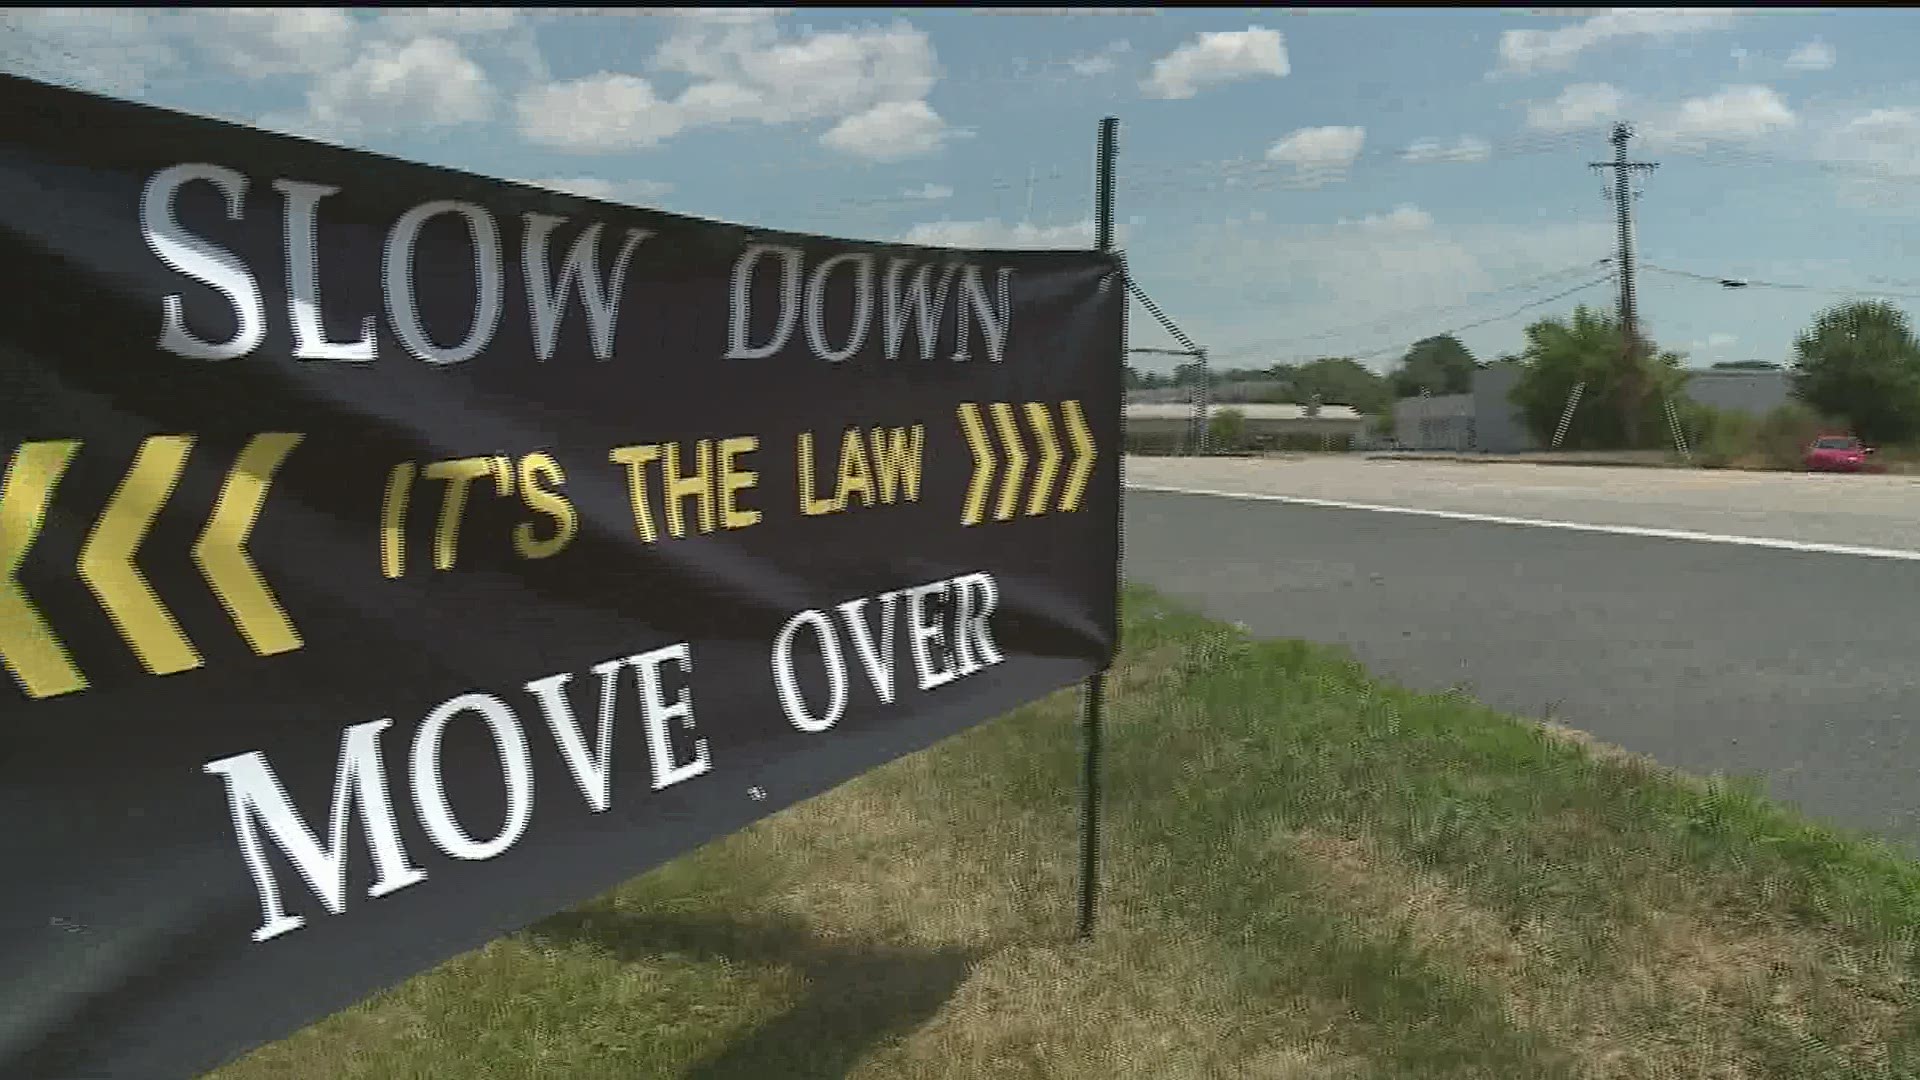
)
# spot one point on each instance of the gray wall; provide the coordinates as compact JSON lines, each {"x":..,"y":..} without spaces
{"x":1441,"y":422}
{"x":1486,"y":419}
{"x":1221,"y":391}
{"x":1246,"y":392}
{"x":1755,"y":393}
{"x":1498,"y":426}
{"x":1160,"y":427}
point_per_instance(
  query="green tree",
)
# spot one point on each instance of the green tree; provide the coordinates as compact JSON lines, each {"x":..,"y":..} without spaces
{"x":1383,"y":423}
{"x":1588,"y":348}
{"x":1746,"y":365}
{"x":1281,"y":394}
{"x":1860,"y":361}
{"x":1439,"y":364}
{"x":1136,"y":379}
{"x":1340,"y":380}
{"x":1237,"y":375}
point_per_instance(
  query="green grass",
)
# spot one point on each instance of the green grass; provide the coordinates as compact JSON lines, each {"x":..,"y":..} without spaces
{"x":1307,"y":874}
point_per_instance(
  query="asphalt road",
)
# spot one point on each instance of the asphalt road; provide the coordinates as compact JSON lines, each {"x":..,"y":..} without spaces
{"x":1802,"y":667}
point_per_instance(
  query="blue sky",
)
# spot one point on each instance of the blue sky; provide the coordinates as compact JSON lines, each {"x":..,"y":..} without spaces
{"x":1292,"y":183}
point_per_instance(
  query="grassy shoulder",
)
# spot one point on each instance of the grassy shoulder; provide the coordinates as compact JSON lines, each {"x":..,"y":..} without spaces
{"x":1306,"y":874}
{"x":1723,"y":439}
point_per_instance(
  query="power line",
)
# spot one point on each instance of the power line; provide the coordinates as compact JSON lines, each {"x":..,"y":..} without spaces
{"x":1239,"y":174}
{"x":1722,"y":152}
{"x":1437,"y":310}
{"x":1257,"y":174}
{"x":1460,"y":329}
{"x":1515,"y":313}
{"x":1735,"y":282}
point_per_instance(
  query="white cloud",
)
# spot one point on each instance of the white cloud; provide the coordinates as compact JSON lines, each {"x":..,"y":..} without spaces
{"x":603,"y":113}
{"x":1580,"y":105}
{"x":1405,"y":218}
{"x":111,"y":50}
{"x":1524,"y":52}
{"x":1887,"y":126}
{"x":420,"y":22}
{"x":930,"y":192}
{"x":1220,"y":57}
{"x":890,"y":131}
{"x":1102,"y":62}
{"x":1815,"y":55}
{"x":993,"y":233}
{"x":717,"y":16}
{"x":1736,"y":112}
{"x":496,"y":32}
{"x":1877,"y":155}
{"x":813,"y":76}
{"x":257,"y":43}
{"x":426,"y":82}
{"x":619,"y":191}
{"x":1465,"y":148}
{"x":712,"y":16}
{"x":871,"y":83}
{"x":1319,"y":153}
{"x":121,"y":50}
{"x":401,"y":69}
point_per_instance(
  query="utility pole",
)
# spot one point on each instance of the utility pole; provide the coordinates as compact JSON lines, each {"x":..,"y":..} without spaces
{"x":1621,"y":192}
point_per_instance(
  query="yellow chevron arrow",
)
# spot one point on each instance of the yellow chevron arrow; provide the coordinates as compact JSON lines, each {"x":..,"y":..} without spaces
{"x":1042,"y":425}
{"x":976,"y":433}
{"x":28,"y":648}
{"x":221,"y":551}
{"x":106,"y":561}
{"x":1083,"y":455}
{"x":1016,"y":460}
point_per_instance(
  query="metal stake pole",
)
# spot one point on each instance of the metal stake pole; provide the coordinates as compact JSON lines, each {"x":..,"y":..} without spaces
{"x":1097,"y":684}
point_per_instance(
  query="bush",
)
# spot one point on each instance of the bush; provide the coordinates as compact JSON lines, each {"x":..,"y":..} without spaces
{"x":1302,"y":441}
{"x":1782,"y":436}
{"x":1719,"y":438}
{"x":1722,"y":438}
{"x":1156,"y":445}
{"x":1227,"y":430}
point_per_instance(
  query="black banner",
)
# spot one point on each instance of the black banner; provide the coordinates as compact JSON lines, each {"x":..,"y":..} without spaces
{"x":391,"y":556}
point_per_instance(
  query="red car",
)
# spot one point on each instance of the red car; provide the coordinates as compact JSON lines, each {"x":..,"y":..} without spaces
{"x":1838,"y":453}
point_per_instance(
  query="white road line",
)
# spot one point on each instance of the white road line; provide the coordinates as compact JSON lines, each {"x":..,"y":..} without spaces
{"x":1543,"y":523}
